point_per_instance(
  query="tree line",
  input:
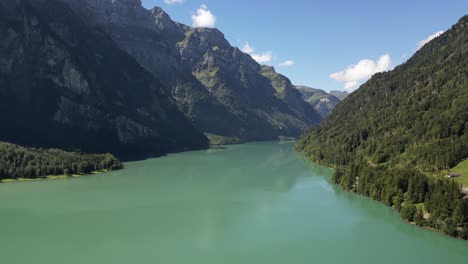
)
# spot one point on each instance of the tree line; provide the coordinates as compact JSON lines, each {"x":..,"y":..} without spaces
{"x":411,"y":193}
{"x":391,"y":138}
{"x":23,"y":162}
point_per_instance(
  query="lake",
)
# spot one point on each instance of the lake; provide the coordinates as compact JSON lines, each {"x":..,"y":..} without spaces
{"x":251,"y":203}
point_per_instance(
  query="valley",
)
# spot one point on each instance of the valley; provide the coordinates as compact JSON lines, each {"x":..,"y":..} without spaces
{"x":202,"y":148}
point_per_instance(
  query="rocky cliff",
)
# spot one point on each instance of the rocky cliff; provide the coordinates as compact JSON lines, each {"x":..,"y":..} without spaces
{"x":322,"y":101}
{"x":65,"y":83}
{"x":221,"y":89}
{"x":339,"y":94}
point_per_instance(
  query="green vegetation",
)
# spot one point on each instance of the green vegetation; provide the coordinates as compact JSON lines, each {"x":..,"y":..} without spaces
{"x":461,"y":168}
{"x":388,"y":138}
{"x":217,"y":140}
{"x":422,"y":207}
{"x":283,"y":138}
{"x":17,"y":162}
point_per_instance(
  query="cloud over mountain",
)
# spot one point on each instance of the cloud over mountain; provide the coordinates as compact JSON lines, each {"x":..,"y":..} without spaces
{"x":356,"y":74}
{"x":203,"y":17}
{"x":287,"y":63}
{"x":429,"y":38}
{"x":261,"y":58}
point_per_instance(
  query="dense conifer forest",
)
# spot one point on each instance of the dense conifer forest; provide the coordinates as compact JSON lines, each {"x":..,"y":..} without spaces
{"x":391,"y":138}
{"x":30,"y":163}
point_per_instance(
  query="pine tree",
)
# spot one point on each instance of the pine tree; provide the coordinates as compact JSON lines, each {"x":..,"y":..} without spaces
{"x":458,"y":216}
{"x":398,"y":200}
{"x":419,"y":217}
{"x":408,"y":212}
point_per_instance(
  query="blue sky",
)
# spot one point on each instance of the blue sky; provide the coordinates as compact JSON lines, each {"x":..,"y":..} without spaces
{"x":318,"y":39}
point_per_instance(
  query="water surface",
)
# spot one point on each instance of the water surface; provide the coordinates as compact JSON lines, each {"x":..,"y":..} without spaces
{"x":252,"y":203}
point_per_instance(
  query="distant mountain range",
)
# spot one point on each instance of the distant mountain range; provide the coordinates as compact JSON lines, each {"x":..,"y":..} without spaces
{"x":217,"y":86}
{"x":339,"y":94}
{"x":322,"y":101}
{"x":110,"y":75}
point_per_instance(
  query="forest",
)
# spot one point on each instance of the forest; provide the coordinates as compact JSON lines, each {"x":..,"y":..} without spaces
{"x":391,"y":138}
{"x":31,"y":163}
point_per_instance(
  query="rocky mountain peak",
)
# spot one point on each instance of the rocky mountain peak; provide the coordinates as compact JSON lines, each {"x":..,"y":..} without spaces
{"x":339,"y":94}
{"x":224,"y":91}
{"x":130,"y":13}
{"x":164,"y":23}
{"x":211,"y":35}
{"x":198,"y":41}
{"x":122,"y":13}
{"x":159,"y":13}
{"x":322,"y":101}
{"x":268,"y":68}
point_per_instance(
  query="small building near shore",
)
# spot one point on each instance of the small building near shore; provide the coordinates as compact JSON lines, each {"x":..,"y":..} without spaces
{"x":453,"y":175}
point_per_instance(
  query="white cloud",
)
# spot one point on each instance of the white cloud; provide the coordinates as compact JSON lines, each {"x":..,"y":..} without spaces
{"x":265,"y":57}
{"x":204,"y":18}
{"x":352,"y":85}
{"x":247,"y":48}
{"x":287,"y":63}
{"x":170,"y":2}
{"x":360,"y":72}
{"x":426,"y":40}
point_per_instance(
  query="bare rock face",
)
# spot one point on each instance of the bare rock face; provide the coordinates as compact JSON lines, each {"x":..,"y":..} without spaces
{"x":164,"y":23}
{"x":221,"y":89}
{"x":130,"y":13}
{"x":339,"y":94}
{"x":65,"y":84}
{"x":322,"y":101}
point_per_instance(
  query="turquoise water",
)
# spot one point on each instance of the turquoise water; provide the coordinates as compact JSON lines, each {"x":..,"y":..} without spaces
{"x":252,"y":203}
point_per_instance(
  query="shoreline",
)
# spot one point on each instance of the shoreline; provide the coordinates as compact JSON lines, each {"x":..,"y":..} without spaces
{"x":463,"y":189}
{"x":53,"y":177}
{"x":63,"y":177}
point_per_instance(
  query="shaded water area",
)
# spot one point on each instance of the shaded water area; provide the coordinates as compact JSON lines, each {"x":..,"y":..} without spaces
{"x":251,"y":203}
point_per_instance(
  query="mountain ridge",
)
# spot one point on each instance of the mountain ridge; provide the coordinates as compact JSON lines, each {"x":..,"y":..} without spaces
{"x":66,"y":84}
{"x":339,"y":94}
{"x":220,"y":88}
{"x":322,"y":101}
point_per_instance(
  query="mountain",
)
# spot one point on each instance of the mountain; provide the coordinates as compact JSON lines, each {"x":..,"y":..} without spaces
{"x":322,"y":101}
{"x":221,"y":89}
{"x":389,"y":138}
{"x":339,"y":94}
{"x":66,"y":84}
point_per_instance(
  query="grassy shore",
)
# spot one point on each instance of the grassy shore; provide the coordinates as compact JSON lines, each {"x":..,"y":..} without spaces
{"x":51,"y":177}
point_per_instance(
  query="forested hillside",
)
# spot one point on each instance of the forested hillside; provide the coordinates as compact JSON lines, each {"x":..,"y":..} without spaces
{"x":391,"y":136}
{"x":21,"y":162}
